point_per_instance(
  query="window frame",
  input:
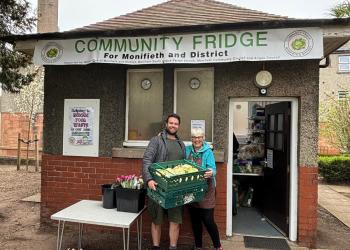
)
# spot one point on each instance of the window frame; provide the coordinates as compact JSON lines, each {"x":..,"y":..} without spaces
{"x":176,"y":70}
{"x":127,"y":142}
{"x":342,"y":63}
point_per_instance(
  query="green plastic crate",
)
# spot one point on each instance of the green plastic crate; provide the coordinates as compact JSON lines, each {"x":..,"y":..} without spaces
{"x":177,"y":182}
{"x":179,"y":197}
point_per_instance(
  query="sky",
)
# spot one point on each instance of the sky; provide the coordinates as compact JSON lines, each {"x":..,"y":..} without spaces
{"x":78,"y":13}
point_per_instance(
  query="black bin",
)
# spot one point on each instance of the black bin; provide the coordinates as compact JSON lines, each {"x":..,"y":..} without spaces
{"x":108,"y":196}
{"x":130,"y":200}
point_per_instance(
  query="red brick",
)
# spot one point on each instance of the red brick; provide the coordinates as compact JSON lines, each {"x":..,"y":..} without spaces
{"x":55,"y":163}
{"x":74,"y":180}
{"x":95,"y":176}
{"x":75,"y":169}
{"x":102,"y":170}
{"x":89,"y":170}
{"x":97,"y":165}
{"x":88,"y":181}
{"x":67,"y":174}
{"x":54,"y":173}
{"x":82,"y":164}
{"x":81,"y":175}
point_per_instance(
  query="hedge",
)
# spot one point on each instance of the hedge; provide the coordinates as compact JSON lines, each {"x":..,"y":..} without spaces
{"x":334,"y":168}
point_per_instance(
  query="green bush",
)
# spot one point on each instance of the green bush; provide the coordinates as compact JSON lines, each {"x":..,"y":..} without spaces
{"x":334,"y":168}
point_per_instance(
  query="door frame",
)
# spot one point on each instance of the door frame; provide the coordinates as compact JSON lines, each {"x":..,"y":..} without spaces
{"x":293,"y":193}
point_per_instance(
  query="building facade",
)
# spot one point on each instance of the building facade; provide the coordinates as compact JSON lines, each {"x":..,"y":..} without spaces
{"x":129,"y":94}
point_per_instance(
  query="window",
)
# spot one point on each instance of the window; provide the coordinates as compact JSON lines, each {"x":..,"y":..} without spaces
{"x":194,"y":100}
{"x":343,"y":94}
{"x":344,"y":63}
{"x":144,"y":105}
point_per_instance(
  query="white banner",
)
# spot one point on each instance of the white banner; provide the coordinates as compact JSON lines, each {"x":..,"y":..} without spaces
{"x":229,"y":46}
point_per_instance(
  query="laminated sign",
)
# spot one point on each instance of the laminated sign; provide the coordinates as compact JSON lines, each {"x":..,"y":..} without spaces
{"x":81,"y":126}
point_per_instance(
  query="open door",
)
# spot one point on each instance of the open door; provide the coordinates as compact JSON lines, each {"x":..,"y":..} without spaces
{"x":277,"y":170}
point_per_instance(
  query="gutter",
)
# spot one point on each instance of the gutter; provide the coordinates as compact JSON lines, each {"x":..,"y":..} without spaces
{"x":326,"y":64}
{"x":271,"y":24}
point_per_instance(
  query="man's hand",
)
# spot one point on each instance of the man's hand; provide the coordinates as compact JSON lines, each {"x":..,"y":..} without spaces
{"x":208,"y":173}
{"x":152,"y":184}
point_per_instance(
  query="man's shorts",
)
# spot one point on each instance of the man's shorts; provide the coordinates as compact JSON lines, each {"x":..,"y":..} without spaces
{"x":158,"y":213}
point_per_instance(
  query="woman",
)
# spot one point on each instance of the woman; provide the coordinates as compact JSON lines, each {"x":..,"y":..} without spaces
{"x":203,"y":211}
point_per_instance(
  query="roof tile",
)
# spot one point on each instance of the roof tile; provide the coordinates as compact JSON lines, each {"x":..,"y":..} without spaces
{"x":176,"y":13}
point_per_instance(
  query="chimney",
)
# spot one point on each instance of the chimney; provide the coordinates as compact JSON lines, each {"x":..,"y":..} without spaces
{"x":47,"y":16}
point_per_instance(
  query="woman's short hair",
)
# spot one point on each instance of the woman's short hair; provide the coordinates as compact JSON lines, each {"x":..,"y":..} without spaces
{"x":197,"y":132}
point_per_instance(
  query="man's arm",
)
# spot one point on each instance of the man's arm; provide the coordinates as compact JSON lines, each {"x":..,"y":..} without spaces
{"x":149,"y":158}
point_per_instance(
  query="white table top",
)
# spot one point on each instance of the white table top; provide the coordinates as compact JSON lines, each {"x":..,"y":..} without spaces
{"x":92,"y":212}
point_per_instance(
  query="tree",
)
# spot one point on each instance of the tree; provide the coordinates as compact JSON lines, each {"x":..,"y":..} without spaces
{"x":334,"y":112}
{"x":29,"y":101}
{"x":335,"y":118}
{"x":341,"y":10}
{"x":16,"y":17}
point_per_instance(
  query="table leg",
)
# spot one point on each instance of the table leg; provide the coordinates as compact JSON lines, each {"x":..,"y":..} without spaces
{"x":127,"y":243}
{"x":60,"y":235}
{"x":141,"y":232}
{"x":138,"y":234}
{"x":82,"y":231}
{"x":124,"y":238}
{"x":80,"y":235}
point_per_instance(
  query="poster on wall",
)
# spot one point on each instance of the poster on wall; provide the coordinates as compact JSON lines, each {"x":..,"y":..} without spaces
{"x":198,"y":124}
{"x":81,"y":127}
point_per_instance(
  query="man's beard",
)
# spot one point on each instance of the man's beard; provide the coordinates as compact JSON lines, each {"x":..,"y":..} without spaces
{"x":170,"y":133}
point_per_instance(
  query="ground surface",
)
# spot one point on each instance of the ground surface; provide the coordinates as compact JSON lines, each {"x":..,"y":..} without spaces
{"x":331,"y":233}
{"x":20,"y":227}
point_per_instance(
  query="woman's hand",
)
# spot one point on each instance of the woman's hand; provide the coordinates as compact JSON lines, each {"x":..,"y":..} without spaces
{"x":208,"y":174}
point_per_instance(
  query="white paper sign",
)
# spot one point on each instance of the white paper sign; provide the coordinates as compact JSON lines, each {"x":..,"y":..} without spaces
{"x":269,"y":156}
{"x":198,"y":124}
{"x":81,"y":127}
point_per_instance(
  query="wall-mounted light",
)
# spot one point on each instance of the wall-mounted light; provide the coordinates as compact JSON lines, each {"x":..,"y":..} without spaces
{"x":263,"y":79}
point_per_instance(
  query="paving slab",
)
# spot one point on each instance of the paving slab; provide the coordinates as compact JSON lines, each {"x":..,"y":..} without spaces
{"x":33,"y":198}
{"x":340,"y":188}
{"x":335,"y":202}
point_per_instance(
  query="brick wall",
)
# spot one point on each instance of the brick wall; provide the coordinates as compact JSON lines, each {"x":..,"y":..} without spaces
{"x":11,"y":125}
{"x":66,"y":180}
{"x":307,"y":214}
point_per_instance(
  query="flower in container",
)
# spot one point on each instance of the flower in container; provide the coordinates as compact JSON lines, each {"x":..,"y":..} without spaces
{"x":130,"y":195}
{"x":129,"y":181}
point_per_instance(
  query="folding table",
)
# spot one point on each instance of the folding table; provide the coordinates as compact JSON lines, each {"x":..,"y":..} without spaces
{"x":92,"y":212}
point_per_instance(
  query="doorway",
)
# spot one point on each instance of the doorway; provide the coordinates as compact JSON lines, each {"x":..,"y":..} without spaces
{"x":262,"y":167}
